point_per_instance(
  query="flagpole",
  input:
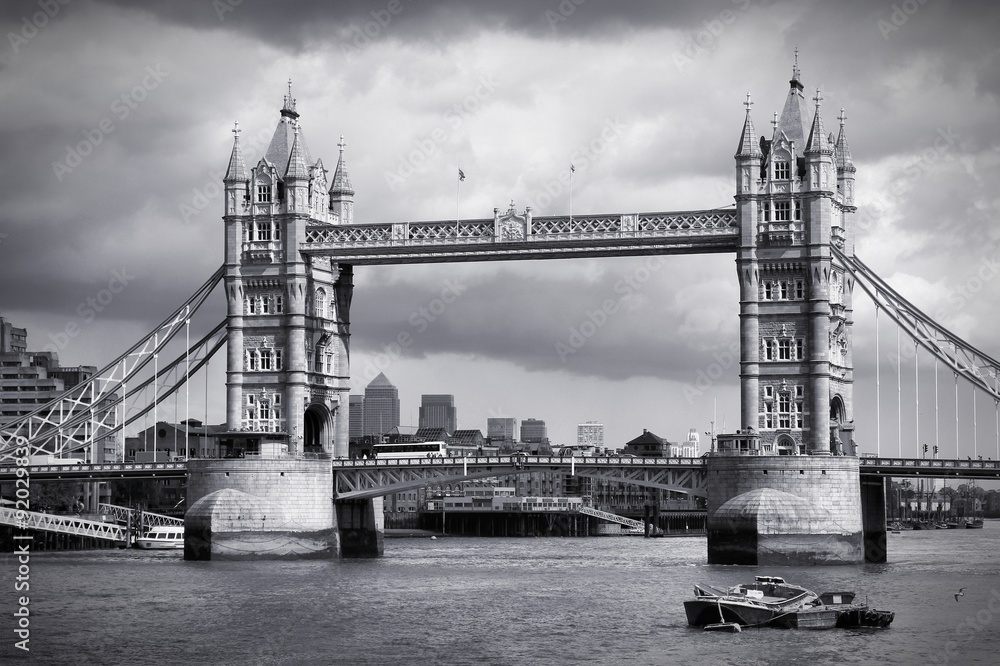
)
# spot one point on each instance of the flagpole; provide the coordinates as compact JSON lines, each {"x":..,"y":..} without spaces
{"x":458,"y":199}
{"x":572,"y":170}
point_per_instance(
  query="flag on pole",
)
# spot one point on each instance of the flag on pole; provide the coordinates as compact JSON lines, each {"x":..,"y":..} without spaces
{"x":461,"y":174}
{"x":572,"y":168}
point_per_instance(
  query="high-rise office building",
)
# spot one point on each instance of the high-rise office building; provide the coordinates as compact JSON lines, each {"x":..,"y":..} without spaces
{"x":31,"y":379}
{"x":381,"y":406}
{"x":501,"y":430}
{"x":356,"y":423}
{"x":438,"y":411}
{"x":590,"y":433}
{"x":533,"y":431}
{"x":12,"y":339}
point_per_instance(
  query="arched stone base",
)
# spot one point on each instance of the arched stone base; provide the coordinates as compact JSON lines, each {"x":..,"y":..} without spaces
{"x":784,"y":510}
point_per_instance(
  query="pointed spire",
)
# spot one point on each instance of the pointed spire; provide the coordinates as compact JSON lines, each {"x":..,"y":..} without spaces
{"x":796,"y":72}
{"x":817,"y":142}
{"x":296,"y":162}
{"x":288,"y":108}
{"x":341,"y":183}
{"x":237,"y":171}
{"x":748,"y":140}
{"x":844,"y":161}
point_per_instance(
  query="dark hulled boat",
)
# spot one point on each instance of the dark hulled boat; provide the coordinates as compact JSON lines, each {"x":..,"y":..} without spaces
{"x":770,"y":601}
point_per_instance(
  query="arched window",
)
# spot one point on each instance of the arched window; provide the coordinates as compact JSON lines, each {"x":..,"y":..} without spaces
{"x":320,"y":304}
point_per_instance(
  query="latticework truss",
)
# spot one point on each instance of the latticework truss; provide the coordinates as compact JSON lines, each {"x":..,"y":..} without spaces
{"x":364,"y":479}
{"x":544,"y":238}
{"x":963,"y":359}
{"x":89,"y":411}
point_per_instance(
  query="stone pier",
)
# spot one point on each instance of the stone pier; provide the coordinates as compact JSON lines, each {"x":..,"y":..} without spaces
{"x":268,"y":508}
{"x":784,"y":510}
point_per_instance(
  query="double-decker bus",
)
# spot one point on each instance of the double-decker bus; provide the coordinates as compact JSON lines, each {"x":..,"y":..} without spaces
{"x":410,"y":450}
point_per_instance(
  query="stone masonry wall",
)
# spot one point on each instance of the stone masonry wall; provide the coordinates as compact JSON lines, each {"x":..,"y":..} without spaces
{"x":302,"y":489}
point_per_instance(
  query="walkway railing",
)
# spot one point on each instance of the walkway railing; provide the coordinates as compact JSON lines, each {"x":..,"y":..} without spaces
{"x":634,"y":526}
{"x":124,"y":514}
{"x":523,"y":236}
{"x":48,"y":522}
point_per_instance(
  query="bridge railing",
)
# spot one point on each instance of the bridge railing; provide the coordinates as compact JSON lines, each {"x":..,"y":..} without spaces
{"x":353,"y":463}
{"x":930,"y":463}
{"x":537,"y":229}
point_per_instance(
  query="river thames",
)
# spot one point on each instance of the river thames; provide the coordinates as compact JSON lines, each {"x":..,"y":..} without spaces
{"x":487,"y":601}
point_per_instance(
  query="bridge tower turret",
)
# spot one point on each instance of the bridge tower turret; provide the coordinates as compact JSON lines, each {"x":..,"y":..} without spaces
{"x":794,"y":199}
{"x":288,"y":313}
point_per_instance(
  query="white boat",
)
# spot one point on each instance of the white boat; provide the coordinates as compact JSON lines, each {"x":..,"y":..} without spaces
{"x":162,"y":537}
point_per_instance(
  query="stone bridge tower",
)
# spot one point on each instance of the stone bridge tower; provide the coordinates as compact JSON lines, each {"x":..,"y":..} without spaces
{"x":786,"y":488}
{"x":288,"y":313}
{"x":794,"y":200}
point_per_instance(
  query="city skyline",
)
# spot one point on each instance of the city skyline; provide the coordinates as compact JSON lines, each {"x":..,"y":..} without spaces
{"x":120,"y":119}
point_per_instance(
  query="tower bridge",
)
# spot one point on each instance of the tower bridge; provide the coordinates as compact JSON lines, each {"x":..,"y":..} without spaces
{"x":291,"y":245}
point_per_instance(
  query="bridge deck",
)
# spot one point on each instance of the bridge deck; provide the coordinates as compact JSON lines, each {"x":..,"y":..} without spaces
{"x":524,"y":237}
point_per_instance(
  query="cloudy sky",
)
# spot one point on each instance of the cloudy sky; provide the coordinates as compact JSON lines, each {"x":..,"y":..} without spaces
{"x":115,"y":133}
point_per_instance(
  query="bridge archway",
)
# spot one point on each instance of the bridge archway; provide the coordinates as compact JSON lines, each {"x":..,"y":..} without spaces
{"x":317,"y":426}
{"x":785,"y":445}
{"x":841,"y":440}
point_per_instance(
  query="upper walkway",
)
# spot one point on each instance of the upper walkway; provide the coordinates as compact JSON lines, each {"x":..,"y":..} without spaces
{"x":514,"y":236}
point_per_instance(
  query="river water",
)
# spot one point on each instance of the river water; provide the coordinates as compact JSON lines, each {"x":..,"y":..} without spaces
{"x":485,"y":601}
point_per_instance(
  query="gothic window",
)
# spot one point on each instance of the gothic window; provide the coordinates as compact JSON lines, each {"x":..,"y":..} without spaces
{"x":766,"y":209}
{"x":799,"y":350}
{"x":263,"y":360}
{"x":800,"y":289}
{"x":768,"y":412}
{"x":798,"y":209}
{"x":769,"y":350}
{"x":263,"y":194}
{"x":278,"y":307}
{"x":781,"y":170}
{"x":784,"y":350}
{"x":784,"y":410}
{"x":251,"y":305}
{"x":768,"y":291}
{"x":782,"y":211}
{"x":263,"y":231}
{"x":320,"y":304}
{"x":783,"y":290}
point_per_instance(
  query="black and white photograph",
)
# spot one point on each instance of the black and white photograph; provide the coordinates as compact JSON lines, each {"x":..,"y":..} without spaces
{"x":542,"y":332}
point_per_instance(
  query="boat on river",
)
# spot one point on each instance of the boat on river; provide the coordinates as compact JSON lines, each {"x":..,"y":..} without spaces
{"x":770,"y":601}
{"x":162,"y":537}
